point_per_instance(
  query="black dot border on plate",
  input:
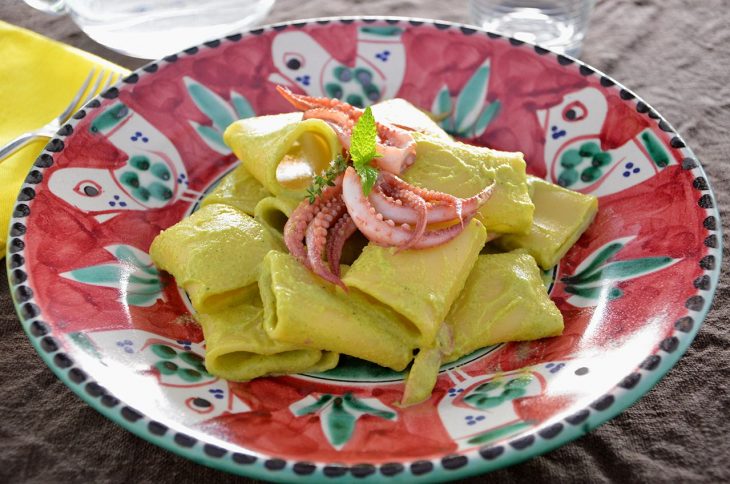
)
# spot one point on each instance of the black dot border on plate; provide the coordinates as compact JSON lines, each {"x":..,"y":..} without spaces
{"x":304,"y":468}
{"x":31,"y":314}
{"x":17,"y":277}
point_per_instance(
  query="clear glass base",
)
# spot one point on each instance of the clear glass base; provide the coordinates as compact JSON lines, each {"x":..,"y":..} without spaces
{"x":559,"y":26}
{"x":150,"y":30}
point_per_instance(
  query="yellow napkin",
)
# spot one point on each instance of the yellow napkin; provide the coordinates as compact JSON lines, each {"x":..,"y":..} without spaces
{"x":38,"y":78}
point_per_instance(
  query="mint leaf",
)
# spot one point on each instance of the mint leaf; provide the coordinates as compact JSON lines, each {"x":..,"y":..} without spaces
{"x":368,"y":177}
{"x":362,"y":149}
{"x":362,"y":143}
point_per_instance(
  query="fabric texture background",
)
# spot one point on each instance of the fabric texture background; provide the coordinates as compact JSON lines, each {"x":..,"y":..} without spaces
{"x":674,"y":54}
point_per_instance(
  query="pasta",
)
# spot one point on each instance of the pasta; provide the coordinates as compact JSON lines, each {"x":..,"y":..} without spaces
{"x":238,"y":348}
{"x":402,"y":113}
{"x":238,"y":189}
{"x":283,"y":152}
{"x":273,"y":212}
{"x":504,"y":300}
{"x":304,"y":310}
{"x":215,"y":254}
{"x":463,"y":170}
{"x":251,"y":257}
{"x":420,"y":285}
{"x":561,"y":216}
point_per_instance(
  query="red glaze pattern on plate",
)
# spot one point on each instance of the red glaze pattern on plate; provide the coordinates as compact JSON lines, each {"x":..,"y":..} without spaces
{"x":137,"y":160}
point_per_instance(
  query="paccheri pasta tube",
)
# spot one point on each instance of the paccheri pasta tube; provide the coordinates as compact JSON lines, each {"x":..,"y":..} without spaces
{"x":421,"y":285}
{"x":273,"y":212}
{"x":504,"y":300}
{"x":238,"y":348}
{"x":422,"y":376}
{"x":561,"y":217}
{"x":283,"y":152}
{"x":215,"y":254}
{"x":238,"y":189}
{"x":304,"y":310}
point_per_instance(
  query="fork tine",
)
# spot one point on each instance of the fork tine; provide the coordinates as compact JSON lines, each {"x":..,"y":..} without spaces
{"x":94,"y":89}
{"x":70,"y":108}
{"x":110,"y":80}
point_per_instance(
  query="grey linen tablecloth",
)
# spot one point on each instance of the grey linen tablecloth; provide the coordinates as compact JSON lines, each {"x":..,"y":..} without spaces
{"x":676,"y":55}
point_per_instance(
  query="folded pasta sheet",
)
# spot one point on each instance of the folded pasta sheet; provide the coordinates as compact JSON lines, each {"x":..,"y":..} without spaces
{"x":402,"y":113}
{"x":283,"y":152}
{"x":273,"y":213}
{"x":421,"y":284}
{"x":424,"y":371}
{"x":302,"y":309}
{"x":464,"y":170}
{"x":238,"y":348}
{"x":561,"y":217}
{"x":215,"y":254}
{"x":238,"y":189}
{"x":504,"y":300}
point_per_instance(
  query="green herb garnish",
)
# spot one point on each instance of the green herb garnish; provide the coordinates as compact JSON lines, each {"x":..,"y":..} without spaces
{"x":362,"y":150}
{"x":337,"y":166}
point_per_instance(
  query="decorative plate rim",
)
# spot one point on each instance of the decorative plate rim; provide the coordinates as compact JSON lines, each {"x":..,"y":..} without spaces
{"x":548,"y":436}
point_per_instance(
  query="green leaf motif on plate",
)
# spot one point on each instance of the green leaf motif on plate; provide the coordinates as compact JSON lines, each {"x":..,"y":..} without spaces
{"x":470,"y":114}
{"x":132,"y":274}
{"x":495,"y":392}
{"x":382,"y":30}
{"x":338,"y":415}
{"x":587,"y":164}
{"x":594,"y":279}
{"x":488,"y":114}
{"x":498,"y":433}
{"x":340,"y":424}
{"x":242,"y":106}
{"x":83,"y":342}
{"x":655,"y":148}
{"x":220,"y":113}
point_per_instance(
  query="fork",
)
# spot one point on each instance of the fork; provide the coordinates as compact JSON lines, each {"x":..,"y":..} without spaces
{"x":48,"y":131}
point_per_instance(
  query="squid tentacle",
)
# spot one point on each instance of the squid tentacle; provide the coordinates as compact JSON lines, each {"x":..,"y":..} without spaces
{"x":317,"y":239}
{"x":383,"y":199}
{"x":343,"y":229}
{"x":303,"y":102}
{"x":295,"y":229}
{"x":419,"y":207}
{"x":384,"y":231}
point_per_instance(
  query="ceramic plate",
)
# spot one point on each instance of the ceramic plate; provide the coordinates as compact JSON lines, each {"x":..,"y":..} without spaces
{"x":634,"y":290}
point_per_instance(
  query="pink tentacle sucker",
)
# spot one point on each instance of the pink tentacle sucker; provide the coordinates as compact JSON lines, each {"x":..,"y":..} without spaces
{"x":295,"y":229}
{"x":316,"y":237}
{"x":428,"y":195}
{"x":342,"y":230}
{"x":419,"y":207}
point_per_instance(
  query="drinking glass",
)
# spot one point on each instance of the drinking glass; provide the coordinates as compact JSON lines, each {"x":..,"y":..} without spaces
{"x":150,"y":29}
{"x":559,"y":25}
